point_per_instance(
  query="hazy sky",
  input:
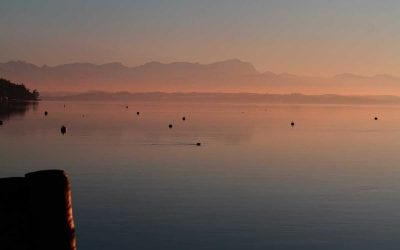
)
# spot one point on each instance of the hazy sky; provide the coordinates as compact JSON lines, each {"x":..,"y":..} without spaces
{"x":311,"y":37}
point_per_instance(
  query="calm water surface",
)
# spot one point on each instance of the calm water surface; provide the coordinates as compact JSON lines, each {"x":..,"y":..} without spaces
{"x":331,"y":182}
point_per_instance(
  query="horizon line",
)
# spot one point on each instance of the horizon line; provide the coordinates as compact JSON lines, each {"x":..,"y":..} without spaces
{"x":199,"y":92}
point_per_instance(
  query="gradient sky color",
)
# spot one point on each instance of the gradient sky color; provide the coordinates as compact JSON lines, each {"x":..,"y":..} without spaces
{"x":307,"y":37}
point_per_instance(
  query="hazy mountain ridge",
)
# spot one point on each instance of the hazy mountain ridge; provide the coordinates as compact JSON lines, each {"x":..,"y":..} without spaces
{"x":293,"y":98}
{"x":226,"y":76}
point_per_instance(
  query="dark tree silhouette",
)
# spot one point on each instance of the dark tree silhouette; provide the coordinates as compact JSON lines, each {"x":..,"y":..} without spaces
{"x":16,"y":92}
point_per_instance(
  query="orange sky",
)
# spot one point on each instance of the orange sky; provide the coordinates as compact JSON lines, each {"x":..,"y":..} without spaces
{"x":308,"y":37}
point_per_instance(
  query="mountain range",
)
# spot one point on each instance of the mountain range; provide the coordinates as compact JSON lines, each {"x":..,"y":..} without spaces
{"x":230,"y":76}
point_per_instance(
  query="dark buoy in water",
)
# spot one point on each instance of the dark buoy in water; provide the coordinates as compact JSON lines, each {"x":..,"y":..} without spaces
{"x":376,"y":118}
{"x":63,"y":130}
{"x":64,"y":105}
{"x":198,"y":144}
{"x":127,"y":107}
{"x":137,"y":113}
{"x":183,"y":118}
{"x":46,"y":113}
{"x":1,"y":122}
{"x":170,"y":126}
{"x":292,"y":124}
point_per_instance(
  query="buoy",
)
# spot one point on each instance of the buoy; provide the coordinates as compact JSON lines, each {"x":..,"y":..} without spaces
{"x":198,"y":144}
{"x":137,"y":113}
{"x":127,"y":107}
{"x":183,"y":118}
{"x":376,"y":118}
{"x":63,"y":130}
{"x":46,"y":113}
{"x":170,"y":126}
{"x":1,"y":123}
{"x":292,"y":124}
{"x":64,"y":105}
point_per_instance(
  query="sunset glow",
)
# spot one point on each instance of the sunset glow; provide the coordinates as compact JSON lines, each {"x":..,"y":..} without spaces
{"x":307,"y":37}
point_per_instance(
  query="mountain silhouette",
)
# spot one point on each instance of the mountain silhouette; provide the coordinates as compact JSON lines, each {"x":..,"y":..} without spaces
{"x":226,"y":76}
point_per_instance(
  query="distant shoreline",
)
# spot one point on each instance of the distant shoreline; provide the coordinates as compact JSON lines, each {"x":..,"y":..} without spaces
{"x":294,"y":98}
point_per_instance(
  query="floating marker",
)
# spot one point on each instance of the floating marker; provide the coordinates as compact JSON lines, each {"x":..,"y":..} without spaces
{"x":292,"y":124}
{"x":170,"y":126}
{"x":137,"y":113}
{"x":376,"y":118}
{"x":63,"y":130}
{"x":46,"y":113}
{"x":183,"y":118}
{"x":127,"y":107}
{"x":1,"y":122}
{"x":198,"y":144}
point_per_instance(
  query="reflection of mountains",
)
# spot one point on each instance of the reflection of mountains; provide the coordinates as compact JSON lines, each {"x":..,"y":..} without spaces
{"x":9,"y":109}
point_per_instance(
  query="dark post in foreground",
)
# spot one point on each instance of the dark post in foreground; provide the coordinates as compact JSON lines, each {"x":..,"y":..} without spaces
{"x":36,"y":212}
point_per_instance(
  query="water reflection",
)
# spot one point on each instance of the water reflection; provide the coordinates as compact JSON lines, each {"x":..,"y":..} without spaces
{"x":256,"y":182}
{"x":9,"y":109}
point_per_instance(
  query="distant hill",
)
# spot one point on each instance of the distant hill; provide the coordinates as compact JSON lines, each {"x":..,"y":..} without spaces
{"x":16,"y":92}
{"x":226,"y":97}
{"x":225,"y":76}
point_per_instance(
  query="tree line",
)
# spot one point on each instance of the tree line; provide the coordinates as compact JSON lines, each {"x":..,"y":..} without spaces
{"x":16,"y":92}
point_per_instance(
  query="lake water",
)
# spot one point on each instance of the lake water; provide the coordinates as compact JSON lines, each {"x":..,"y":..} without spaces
{"x":330,"y":182}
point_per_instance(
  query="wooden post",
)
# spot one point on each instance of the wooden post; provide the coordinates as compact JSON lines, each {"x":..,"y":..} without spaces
{"x":13,"y":217}
{"x":38,"y":212}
